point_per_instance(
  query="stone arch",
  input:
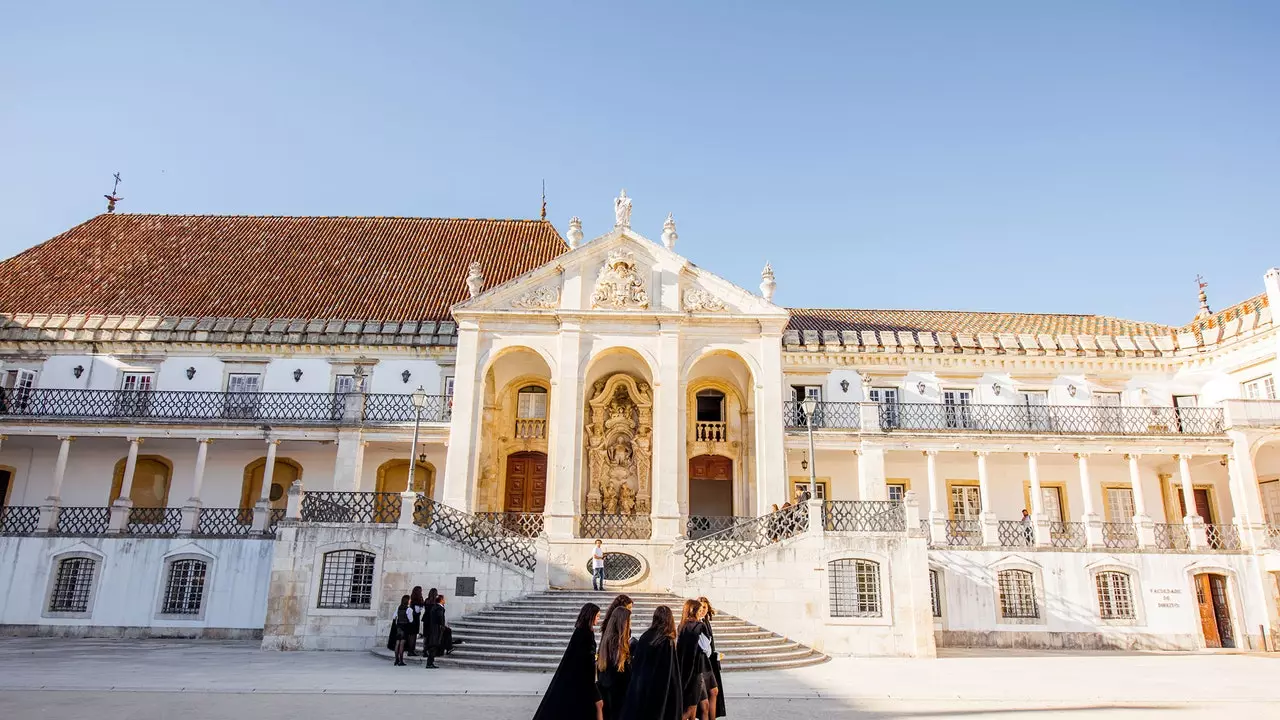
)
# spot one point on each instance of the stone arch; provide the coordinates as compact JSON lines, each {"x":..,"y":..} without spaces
{"x":393,"y":477}
{"x":496,"y":353}
{"x":748,"y":360}
{"x":1266,"y":467}
{"x":286,"y":471}
{"x":728,"y":373}
{"x":502,"y":432}
{"x":152,"y":478}
{"x":590,"y":368}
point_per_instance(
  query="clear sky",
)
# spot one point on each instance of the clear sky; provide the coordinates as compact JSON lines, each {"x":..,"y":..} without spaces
{"x":1081,"y":156}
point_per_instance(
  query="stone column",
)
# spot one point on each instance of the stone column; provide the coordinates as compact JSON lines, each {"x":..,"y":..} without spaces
{"x":564,"y":492}
{"x":771,"y":434}
{"x":123,"y":504}
{"x":990,"y":521}
{"x":1196,"y":533}
{"x":49,"y":510}
{"x":262,"y":512}
{"x":1092,"y":522}
{"x":464,"y":423}
{"x":937,"y":499}
{"x":1143,"y":525}
{"x":668,"y":445}
{"x":1246,"y":498}
{"x":348,"y":461}
{"x":191,"y":511}
{"x":1043,"y":531}
{"x":871,"y":475}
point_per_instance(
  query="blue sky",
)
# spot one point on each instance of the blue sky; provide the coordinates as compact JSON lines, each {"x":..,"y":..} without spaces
{"x":1015,"y":156}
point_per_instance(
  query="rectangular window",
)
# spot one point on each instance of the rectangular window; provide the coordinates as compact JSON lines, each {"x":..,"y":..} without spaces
{"x":966,"y":502}
{"x":854,"y":588}
{"x":137,"y":381}
{"x":887,"y":398}
{"x":346,"y":580}
{"x":1017,"y":594}
{"x":1263,"y":388}
{"x":72,"y":586}
{"x":1051,"y":498}
{"x":956,"y":411}
{"x":1115,"y":596}
{"x":242,"y":395}
{"x":1035,"y":410}
{"x":1119,"y":504}
{"x":343,"y":384}
{"x":818,"y":491}
{"x":897,"y":491}
{"x":1110,"y":416}
{"x":1271,"y":501}
{"x":448,"y":386}
{"x":1106,"y":399}
{"x":935,"y":594}
{"x":532,"y":404}
{"x":184,"y":592}
{"x":17,"y":387}
{"x":134,"y":394}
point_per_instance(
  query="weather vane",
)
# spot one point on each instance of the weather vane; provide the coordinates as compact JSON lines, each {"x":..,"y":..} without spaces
{"x":112,"y":199}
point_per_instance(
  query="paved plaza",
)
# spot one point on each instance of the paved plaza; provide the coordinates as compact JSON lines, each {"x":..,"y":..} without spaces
{"x":163,"y":679}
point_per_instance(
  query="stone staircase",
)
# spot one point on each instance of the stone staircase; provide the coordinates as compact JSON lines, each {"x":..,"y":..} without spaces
{"x":530,"y":634}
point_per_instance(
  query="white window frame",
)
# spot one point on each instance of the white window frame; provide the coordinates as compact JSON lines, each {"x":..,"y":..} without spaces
{"x":55,"y":563}
{"x":818,"y":492}
{"x":885,"y":589}
{"x":1037,"y":589}
{"x":1259,"y":388}
{"x":955,"y":408}
{"x":1108,"y":507}
{"x":533,"y":392}
{"x":888,"y":490}
{"x":937,"y":595}
{"x":1135,"y":591}
{"x":313,"y":597}
{"x":344,"y":379}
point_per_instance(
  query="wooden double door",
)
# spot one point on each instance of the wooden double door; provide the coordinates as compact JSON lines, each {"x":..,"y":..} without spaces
{"x":526,"y":486}
{"x":1215,"y":610}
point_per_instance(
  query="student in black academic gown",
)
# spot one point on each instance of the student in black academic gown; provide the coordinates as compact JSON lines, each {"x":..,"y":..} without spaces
{"x":572,"y":694}
{"x":620,"y":601}
{"x":433,"y":637}
{"x":694,"y":663}
{"x":715,"y":686}
{"x":613,"y":662}
{"x":654,"y":691}
{"x":402,"y":627}
{"x":417,"y":606}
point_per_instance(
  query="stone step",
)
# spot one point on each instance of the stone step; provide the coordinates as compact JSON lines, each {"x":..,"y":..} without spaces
{"x":519,"y":663}
{"x":565,"y":629}
{"x":763,"y":639}
{"x":473,"y":647}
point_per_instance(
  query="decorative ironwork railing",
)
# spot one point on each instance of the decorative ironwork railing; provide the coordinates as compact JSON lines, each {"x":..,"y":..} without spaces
{"x":1273,"y":537}
{"x":277,"y":514}
{"x":1015,"y":533}
{"x":224,"y":522}
{"x":827,"y":415}
{"x":1052,"y":419}
{"x":615,"y":526}
{"x":1222,"y":536}
{"x":1067,"y":535}
{"x":172,"y":405}
{"x":706,"y":431}
{"x":1119,"y":536}
{"x":83,"y":521}
{"x":19,"y":519}
{"x":745,"y":537}
{"x":487,"y":537}
{"x":700,"y":526}
{"x":864,"y":516}
{"x":381,"y":408}
{"x":531,"y":428}
{"x":522,"y":524}
{"x":158,"y":522}
{"x":1172,"y":536}
{"x":351,"y":507}
{"x":964,"y":533}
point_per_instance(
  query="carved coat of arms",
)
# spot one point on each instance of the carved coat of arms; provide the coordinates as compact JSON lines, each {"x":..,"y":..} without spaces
{"x":619,"y":285}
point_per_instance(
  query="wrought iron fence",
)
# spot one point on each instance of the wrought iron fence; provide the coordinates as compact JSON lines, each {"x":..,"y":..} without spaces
{"x":19,"y":519}
{"x":1172,"y":536}
{"x":1052,"y":419}
{"x":1273,"y":537}
{"x":827,"y":415}
{"x":1119,"y":536}
{"x":964,"y":533}
{"x":83,"y":521}
{"x":1015,"y":533}
{"x":700,"y":526}
{"x":1222,"y":536}
{"x":487,"y":537}
{"x":351,"y":507}
{"x":382,"y":408}
{"x":520,"y":523}
{"x":1067,"y":535}
{"x":172,"y":405}
{"x":156,"y":522}
{"x":277,"y":514}
{"x":744,"y":537}
{"x":615,"y":526}
{"x":224,"y":522}
{"x":864,"y":516}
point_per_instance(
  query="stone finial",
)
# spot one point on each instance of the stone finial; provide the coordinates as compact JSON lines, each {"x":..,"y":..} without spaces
{"x":669,"y":235}
{"x":475,"y":279}
{"x":575,"y":232}
{"x":767,"y":284}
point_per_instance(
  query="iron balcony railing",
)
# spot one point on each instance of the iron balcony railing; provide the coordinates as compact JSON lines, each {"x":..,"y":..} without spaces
{"x":490,"y":538}
{"x":175,"y":406}
{"x":521,"y":523}
{"x":826,"y":416}
{"x":615,"y":526}
{"x":964,"y":533}
{"x":1016,"y":533}
{"x":1222,"y":536}
{"x":1172,"y":536}
{"x":1052,"y":419}
{"x":744,"y":537}
{"x":864,"y":516}
{"x":700,"y":526}
{"x":351,"y":507}
{"x":19,"y":519}
{"x":1119,"y":536}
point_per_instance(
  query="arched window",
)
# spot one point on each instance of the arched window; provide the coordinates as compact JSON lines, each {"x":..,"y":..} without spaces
{"x":184,"y":588}
{"x":285,"y":473}
{"x":710,"y":406}
{"x":1017,"y":594}
{"x":854,"y":588}
{"x":1115,"y":596}
{"x":151,"y":478}
{"x":73,"y":585}
{"x":393,"y":477}
{"x":346,"y":580}
{"x":935,"y":593}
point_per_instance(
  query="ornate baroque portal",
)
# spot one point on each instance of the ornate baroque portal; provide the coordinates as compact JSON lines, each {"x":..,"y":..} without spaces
{"x":619,"y":441}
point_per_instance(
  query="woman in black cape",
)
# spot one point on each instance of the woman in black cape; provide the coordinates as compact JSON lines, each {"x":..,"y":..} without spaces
{"x":433,"y":636}
{"x":613,"y":664}
{"x":654,"y":692}
{"x":694,"y":663}
{"x":417,"y":606}
{"x":715,"y":686}
{"x":572,"y":694}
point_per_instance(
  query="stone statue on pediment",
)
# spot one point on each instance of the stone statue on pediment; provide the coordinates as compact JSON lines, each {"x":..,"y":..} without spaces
{"x":622,"y":210}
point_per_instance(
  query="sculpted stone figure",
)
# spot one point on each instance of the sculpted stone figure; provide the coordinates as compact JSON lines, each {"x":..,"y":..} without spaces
{"x":618,"y":440}
{"x":622,"y":210}
{"x":619,"y":284}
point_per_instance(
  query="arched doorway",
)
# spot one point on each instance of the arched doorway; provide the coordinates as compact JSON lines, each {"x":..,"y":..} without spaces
{"x":710,"y":486}
{"x":151,"y":476}
{"x":525,"y":489}
{"x":393,"y":477}
{"x":1215,"y":610}
{"x":283,"y":475}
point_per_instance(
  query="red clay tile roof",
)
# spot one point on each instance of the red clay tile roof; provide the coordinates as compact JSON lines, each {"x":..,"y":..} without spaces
{"x":365,"y":268}
{"x":968,"y":322}
{"x":1252,"y":305}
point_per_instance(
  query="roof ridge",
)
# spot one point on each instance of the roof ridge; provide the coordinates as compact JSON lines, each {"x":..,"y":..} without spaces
{"x":316,"y":217}
{"x":982,"y":312}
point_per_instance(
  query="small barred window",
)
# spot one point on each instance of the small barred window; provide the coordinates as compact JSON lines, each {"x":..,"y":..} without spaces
{"x":73,"y":584}
{"x":1115,"y":596}
{"x":855,"y":588}
{"x":935,"y":594}
{"x":1017,"y":594}
{"x":184,"y":588}
{"x":346,"y":580}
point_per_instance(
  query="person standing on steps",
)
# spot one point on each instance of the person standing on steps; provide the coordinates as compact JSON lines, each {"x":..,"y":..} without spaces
{"x":573,"y":694}
{"x":692,"y":655}
{"x":613,"y":663}
{"x":715,"y":686}
{"x":597,"y":567}
{"x":433,"y":639}
{"x":403,"y":627}
{"x":654,"y":689}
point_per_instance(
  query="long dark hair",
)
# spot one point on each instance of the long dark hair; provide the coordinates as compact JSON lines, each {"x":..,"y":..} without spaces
{"x":690,"y":614}
{"x":587,"y":616}
{"x":404,"y":601}
{"x":431,"y":597}
{"x":417,"y":596}
{"x":664,"y":622}
{"x":615,"y":641}
{"x":620,"y":601}
{"x":711,"y":612}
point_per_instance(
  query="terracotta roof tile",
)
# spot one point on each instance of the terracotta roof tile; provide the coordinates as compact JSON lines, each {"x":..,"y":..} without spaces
{"x":969,"y":323}
{"x":366,"y":268}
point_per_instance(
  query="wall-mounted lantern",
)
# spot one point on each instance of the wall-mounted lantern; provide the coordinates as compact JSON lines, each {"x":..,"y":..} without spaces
{"x":844,"y":385}
{"x":404,"y":376}
{"x":77,"y":371}
{"x":1071,"y":390}
{"x":191,"y":372}
{"x":920,"y":388}
{"x":995,"y":388}
{"x":297,"y":374}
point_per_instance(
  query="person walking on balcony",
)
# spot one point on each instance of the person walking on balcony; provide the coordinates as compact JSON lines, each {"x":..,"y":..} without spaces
{"x":573,"y":694}
{"x":613,"y":662}
{"x":597,"y":567}
{"x":403,"y":626}
{"x":654,"y":691}
{"x":1028,"y":527}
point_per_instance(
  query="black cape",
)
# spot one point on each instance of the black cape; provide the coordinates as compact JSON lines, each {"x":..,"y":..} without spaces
{"x":715,"y":668}
{"x":654,"y":693}
{"x":572,"y":694}
{"x":434,"y":627}
{"x":693,"y":663}
{"x":613,"y":685}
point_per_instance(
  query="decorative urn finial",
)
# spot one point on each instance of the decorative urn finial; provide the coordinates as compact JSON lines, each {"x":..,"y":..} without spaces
{"x":767,"y":284}
{"x":575,"y":232}
{"x":475,"y":279}
{"x":669,"y":235}
{"x":622,"y":210}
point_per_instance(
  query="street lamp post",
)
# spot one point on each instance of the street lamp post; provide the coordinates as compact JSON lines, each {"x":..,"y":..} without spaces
{"x":419,"y":399}
{"x":810,"y":406}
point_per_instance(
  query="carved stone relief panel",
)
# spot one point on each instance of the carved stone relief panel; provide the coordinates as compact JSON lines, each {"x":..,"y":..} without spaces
{"x":619,"y":445}
{"x":619,"y":285}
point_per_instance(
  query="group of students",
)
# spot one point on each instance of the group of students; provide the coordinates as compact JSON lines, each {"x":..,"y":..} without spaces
{"x":418,"y":615}
{"x":672,"y":672}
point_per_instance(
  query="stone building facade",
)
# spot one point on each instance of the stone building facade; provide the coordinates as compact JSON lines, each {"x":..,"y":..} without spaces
{"x":236,"y":426}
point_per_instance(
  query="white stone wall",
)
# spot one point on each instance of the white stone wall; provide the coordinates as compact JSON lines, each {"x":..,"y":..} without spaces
{"x":129,"y":585}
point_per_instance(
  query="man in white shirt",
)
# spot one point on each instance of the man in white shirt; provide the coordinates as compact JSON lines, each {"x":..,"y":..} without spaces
{"x":597,"y":567}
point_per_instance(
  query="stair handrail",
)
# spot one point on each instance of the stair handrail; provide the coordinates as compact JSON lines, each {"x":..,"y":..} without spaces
{"x":744,"y":537}
{"x":462,"y":527}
